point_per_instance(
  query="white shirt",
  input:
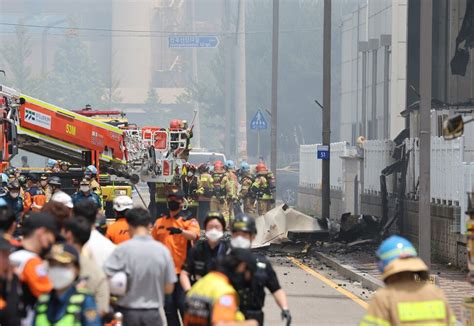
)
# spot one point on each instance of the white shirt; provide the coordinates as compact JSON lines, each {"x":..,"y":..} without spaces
{"x":98,"y":248}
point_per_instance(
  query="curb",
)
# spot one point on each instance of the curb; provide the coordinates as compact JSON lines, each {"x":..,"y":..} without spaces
{"x":350,"y":272}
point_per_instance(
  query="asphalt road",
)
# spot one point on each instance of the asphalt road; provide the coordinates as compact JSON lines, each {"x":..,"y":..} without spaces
{"x":312,"y":300}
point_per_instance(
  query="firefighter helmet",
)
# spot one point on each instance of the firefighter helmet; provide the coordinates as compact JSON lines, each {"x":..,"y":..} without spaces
{"x":202,"y":168}
{"x":244,"y":223}
{"x":396,"y":255}
{"x":230,"y":165}
{"x":218,"y":166}
{"x":63,"y":198}
{"x":122,"y":203}
{"x":244,"y":166}
{"x":92,"y":169}
{"x":175,"y":124}
{"x":261,"y":167}
{"x":51,"y":163}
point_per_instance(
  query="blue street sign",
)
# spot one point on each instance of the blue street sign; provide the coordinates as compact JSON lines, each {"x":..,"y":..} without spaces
{"x":192,"y":41}
{"x":323,"y":152}
{"x":258,"y":122}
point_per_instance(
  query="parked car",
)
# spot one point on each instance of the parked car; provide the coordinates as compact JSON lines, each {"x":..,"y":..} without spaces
{"x":197,"y":158}
{"x":287,"y":183}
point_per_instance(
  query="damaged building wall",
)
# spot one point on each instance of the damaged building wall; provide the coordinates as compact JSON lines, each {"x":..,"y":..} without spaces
{"x":448,"y":246}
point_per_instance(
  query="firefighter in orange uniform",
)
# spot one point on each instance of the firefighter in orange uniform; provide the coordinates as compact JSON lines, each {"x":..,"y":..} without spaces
{"x":117,"y":232}
{"x":34,"y":196}
{"x":175,"y":231}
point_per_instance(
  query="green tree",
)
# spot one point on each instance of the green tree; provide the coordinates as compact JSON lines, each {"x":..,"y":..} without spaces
{"x":16,"y":54}
{"x":74,"y":81}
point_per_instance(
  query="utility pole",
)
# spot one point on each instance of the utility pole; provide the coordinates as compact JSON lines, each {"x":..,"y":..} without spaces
{"x":241,"y":96}
{"x":326,"y":195}
{"x":228,"y":53}
{"x":424,"y":208}
{"x":274,"y":115}
{"x":197,"y":121}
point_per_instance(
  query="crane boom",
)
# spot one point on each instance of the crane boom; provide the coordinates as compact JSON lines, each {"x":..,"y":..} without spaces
{"x":152,"y":154}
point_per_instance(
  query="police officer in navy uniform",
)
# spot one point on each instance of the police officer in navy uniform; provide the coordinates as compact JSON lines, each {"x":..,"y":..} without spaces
{"x":204,"y":255}
{"x":252,"y":294}
{"x":68,"y":303}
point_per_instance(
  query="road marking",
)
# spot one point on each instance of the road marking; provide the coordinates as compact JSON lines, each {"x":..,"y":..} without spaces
{"x":333,"y":285}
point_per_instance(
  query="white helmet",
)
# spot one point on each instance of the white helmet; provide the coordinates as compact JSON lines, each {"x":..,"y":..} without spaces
{"x":122,"y":203}
{"x":63,"y":198}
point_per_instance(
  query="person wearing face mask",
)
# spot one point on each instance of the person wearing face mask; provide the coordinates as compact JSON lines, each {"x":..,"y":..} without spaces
{"x":204,"y":254}
{"x":176,"y":230}
{"x":39,"y":234}
{"x":44,"y":186}
{"x":13,"y":198}
{"x":117,"y":232}
{"x":213,"y":299}
{"x":252,"y":294}
{"x":54,"y":184}
{"x":66,"y":304}
{"x":85,"y":193}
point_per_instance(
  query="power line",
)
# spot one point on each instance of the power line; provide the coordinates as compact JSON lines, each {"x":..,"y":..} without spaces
{"x":150,"y":33}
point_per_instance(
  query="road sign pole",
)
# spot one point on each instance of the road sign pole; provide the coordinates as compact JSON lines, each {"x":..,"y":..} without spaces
{"x":258,"y":142}
{"x":274,"y":117}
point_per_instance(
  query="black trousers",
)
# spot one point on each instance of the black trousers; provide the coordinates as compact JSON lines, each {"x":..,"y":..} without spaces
{"x":254,"y":314}
{"x":174,"y":305}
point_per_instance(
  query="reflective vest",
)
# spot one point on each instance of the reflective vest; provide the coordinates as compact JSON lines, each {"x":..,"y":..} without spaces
{"x":72,"y":317}
{"x":203,"y":295}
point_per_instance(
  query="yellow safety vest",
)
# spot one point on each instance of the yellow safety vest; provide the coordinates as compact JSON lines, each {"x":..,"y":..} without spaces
{"x":72,"y":317}
{"x":203,"y":295}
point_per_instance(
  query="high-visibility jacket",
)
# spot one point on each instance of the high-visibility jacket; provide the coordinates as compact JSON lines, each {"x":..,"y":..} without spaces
{"x":409,"y":302}
{"x":228,"y":185}
{"x":212,"y":299}
{"x":80,"y":310}
{"x":246,"y":183}
{"x":205,"y":185}
{"x":72,"y":317}
{"x":262,"y":188}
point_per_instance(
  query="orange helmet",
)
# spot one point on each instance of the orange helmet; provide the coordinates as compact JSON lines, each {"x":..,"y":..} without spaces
{"x":218,"y":166}
{"x":175,"y":124}
{"x":261,"y":167}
